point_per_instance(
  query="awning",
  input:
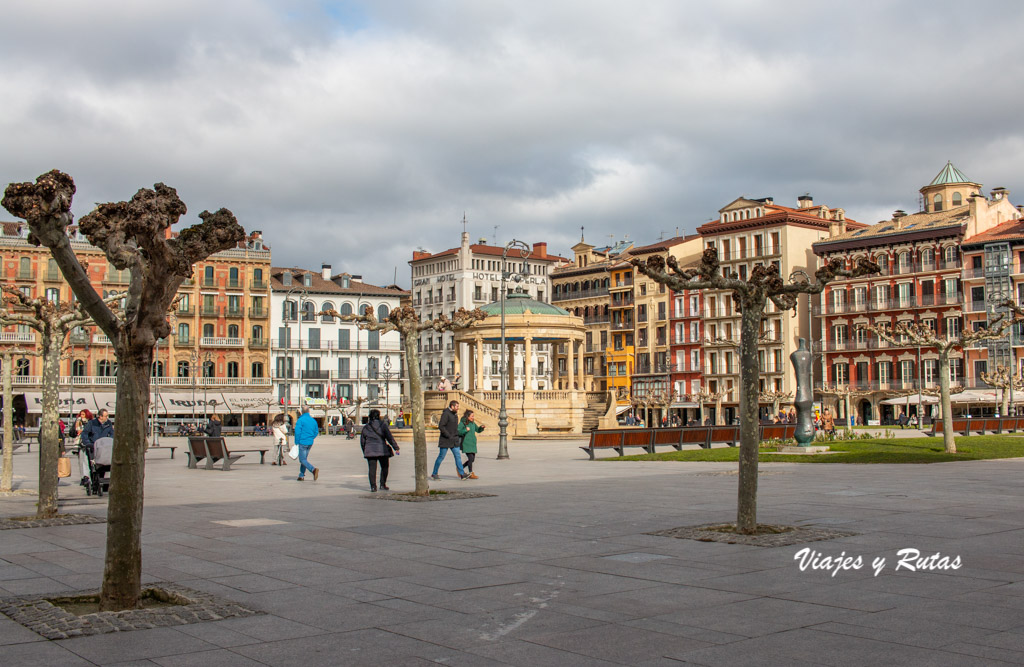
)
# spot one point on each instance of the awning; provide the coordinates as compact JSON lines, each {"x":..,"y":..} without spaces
{"x":182,"y":403}
{"x":252,"y":402}
{"x":689,"y":404}
{"x":913,"y":399}
{"x":623,"y":408}
{"x":984,"y":396}
{"x":83,"y":401}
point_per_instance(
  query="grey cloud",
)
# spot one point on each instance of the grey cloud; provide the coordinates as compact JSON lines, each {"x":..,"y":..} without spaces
{"x":355,"y":132}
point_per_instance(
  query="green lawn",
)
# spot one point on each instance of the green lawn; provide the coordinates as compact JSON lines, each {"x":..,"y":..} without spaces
{"x":903,"y":450}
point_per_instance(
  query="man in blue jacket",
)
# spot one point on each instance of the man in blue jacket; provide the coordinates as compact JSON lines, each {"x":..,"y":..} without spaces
{"x":306,"y":430}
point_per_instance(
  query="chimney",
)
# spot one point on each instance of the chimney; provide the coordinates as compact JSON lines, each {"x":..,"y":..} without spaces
{"x":897,"y":218}
{"x":833,"y":228}
{"x":805,"y":201}
{"x":999,"y":193}
{"x":482,"y":240}
{"x":325,"y":271}
{"x":540,"y":249}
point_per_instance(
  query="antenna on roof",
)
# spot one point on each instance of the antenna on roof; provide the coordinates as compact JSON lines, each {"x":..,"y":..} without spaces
{"x":496,"y":234}
{"x":581,"y":234}
{"x":463,"y":222}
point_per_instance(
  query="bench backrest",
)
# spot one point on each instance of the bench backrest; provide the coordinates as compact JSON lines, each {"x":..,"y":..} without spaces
{"x":725,"y":433}
{"x":773,"y":432}
{"x":217,"y":447}
{"x":638,"y":437}
{"x":695,"y":434}
{"x":991,"y":424}
{"x":198,"y":447}
{"x":667,"y":436}
{"x":605,"y":439}
{"x":959,"y":424}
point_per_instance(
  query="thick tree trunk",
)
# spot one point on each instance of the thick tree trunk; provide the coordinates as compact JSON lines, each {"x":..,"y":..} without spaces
{"x":419,"y":427}
{"x":1006,"y":402}
{"x":122,"y":570}
{"x":7,"y":475}
{"x":49,"y":434}
{"x":718,"y":408}
{"x":947,"y":405}
{"x":746,"y":510}
{"x":847,"y":405}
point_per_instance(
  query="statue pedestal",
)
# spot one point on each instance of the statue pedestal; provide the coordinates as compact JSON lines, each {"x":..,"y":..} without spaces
{"x":818,"y":449}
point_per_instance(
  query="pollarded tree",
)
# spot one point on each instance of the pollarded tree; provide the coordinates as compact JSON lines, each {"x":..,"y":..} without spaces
{"x":775,"y":398}
{"x":705,"y":396}
{"x":11,"y":365}
{"x":845,"y":393}
{"x":408,"y":324}
{"x":751,"y":297}
{"x":916,"y":334}
{"x":53,"y":321}
{"x":1003,"y":379}
{"x":134,"y":235}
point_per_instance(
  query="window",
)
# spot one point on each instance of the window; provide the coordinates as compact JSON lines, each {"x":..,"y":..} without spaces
{"x":257,"y":276}
{"x":257,"y":332}
{"x":232,"y":331}
{"x":183,"y":335}
{"x":372,"y":367}
{"x":308,"y":311}
{"x":208,"y":276}
{"x":346,"y":308}
{"x":256,"y":369}
{"x":314,"y":339}
{"x":382,"y":309}
{"x":208,"y":331}
{"x":937,"y":203}
{"x":373,"y":340}
{"x":290,"y":311}
{"x":343,"y":339}
{"x":232,"y":369}
{"x":78,"y":368}
{"x":53,"y":295}
{"x":104,"y":368}
{"x":327,"y":305}
{"x":183,"y":369}
{"x":183,"y":303}
{"x":343,"y":369}
{"x":208,"y":369}
{"x":958,"y":199}
{"x":284,"y":337}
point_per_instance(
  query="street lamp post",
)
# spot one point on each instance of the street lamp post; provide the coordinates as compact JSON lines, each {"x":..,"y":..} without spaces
{"x":206,"y":382}
{"x":517,"y":275}
{"x":387,"y":375}
{"x":194,"y":358}
{"x":303,"y":295}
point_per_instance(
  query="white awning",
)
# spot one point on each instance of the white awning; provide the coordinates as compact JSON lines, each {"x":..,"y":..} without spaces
{"x":913,"y":399}
{"x":688,"y":404}
{"x":182,"y":403}
{"x":249,"y":402}
{"x":623,"y":408}
{"x":83,"y":401}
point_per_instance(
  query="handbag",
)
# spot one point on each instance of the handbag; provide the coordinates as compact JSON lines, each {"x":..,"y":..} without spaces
{"x":294,"y":452}
{"x":63,"y":467}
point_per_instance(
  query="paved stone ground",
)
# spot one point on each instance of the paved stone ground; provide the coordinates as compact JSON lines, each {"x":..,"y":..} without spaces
{"x":556,"y":569}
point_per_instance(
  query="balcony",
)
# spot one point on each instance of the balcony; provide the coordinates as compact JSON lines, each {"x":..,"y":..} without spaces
{"x":234,"y":283}
{"x":258,"y":285}
{"x":212,"y":341}
{"x":652,"y":369}
{"x":597,"y":319}
{"x":185,"y":311}
{"x":579,"y":294}
{"x":26,"y":275}
{"x":54,"y":276}
{"x":209,"y":311}
{"x":209,"y":282}
{"x":236,"y":311}
{"x":15,"y":337}
{"x":620,"y":326}
{"x":722,"y":369}
{"x":100,"y":339}
{"x":262,"y":313}
{"x":258,"y":343}
{"x":316,"y":375}
{"x":622,"y":300}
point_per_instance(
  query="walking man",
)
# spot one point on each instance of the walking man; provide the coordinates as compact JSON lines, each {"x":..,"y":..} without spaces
{"x":306,"y":430}
{"x":448,"y":427}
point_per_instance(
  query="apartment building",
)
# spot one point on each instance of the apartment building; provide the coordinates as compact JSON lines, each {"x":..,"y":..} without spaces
{"x":582,"y":288}
{"x":215,"y":360}
{"x":922,"y":279}
{"x":469,"y":276}
{"x":653,"y":363}
{"x":686,"y":321}
{"x":748,"y":232}
{"x":322,"y":361}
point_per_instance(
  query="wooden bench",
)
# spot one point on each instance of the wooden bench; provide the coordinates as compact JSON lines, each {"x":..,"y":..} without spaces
{"x":729,"y":435}
{"x":218,"y":450}
{"x":197,"y":452}
{"x":222,"y":445}
{"x":778,"y":432}
{"x":618,"y":439}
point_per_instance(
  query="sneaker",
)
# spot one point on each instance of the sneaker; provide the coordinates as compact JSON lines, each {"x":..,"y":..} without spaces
{"x":373,"y":489}
{"x":472,"y":475}
{"x":301,"y":479}
{"x":316,"y":474}
{"x":464,"y":476}
{"x":435,"y":477}
{"x":384,"y":486}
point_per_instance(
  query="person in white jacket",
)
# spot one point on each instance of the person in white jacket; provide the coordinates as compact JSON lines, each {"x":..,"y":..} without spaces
{"x":279,"y":430}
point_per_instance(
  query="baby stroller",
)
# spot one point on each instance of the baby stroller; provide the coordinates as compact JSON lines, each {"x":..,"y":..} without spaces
{"x":99,"y":466}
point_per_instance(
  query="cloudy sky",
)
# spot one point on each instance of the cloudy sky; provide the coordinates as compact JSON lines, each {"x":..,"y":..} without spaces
{"x":355,"y":132}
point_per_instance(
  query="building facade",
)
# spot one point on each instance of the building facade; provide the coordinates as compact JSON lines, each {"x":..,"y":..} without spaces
{"x":469,"y":276}
{"x":922,"y":280}
{"x":217,"y":351}
{"x":750,"y":232}
{"x":322,"y":361}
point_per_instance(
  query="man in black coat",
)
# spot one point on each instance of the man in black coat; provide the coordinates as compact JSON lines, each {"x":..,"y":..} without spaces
{"x":448,"y":427}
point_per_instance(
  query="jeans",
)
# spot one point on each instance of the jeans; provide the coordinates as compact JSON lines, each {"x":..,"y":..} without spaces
{"x":457,"y":452}
{"x":304,"y":463}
